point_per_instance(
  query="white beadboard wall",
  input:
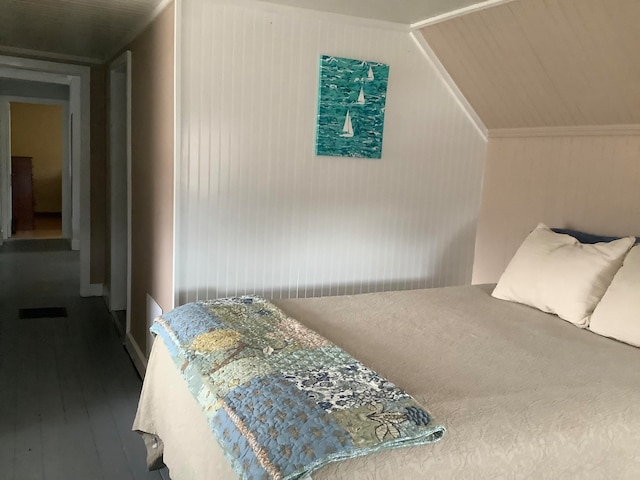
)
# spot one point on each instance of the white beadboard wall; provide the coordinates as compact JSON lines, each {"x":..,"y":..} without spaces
{"x":259,"y":212}
{"x":588,"y":182}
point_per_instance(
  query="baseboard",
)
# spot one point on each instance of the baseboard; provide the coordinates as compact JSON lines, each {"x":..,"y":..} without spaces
{"x":119,"y":326}
{"x":139,"y":360}
{"x":92,"y":290}
{"x":75,"y":244}
{"x":106,"y":295}
{"x":106,"y":298}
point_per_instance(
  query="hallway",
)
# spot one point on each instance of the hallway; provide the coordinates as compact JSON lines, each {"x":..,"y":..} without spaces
{"x":68,"y":390}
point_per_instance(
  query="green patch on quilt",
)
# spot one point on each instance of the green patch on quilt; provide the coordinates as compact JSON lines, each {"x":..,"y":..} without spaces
{"x":360,"y":428}
{"x":237,"y":373}
{"x":210,"y":342}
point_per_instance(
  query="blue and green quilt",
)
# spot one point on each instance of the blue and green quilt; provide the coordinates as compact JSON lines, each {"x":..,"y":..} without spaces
{"x":282,"y":400}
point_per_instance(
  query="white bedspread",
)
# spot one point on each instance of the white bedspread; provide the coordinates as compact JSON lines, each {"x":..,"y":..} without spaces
{"x":523,"y":394}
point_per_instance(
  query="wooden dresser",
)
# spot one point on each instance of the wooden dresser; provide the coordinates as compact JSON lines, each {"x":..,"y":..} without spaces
{"x":21,"y":193}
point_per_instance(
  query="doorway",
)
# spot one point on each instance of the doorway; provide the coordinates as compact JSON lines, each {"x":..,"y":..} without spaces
{"x":119,"y":298}
{"x":38,"y":157}
{"x":77,"y":79}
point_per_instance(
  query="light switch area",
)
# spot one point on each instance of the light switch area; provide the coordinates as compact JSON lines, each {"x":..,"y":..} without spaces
{"x":153,"y":311}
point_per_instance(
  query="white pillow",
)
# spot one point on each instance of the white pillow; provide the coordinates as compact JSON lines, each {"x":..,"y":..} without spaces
{"x":557,"y":274}
{"x":618,"y":313}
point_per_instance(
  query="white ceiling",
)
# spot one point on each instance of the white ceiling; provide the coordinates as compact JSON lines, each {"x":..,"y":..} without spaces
{"x":92,"y":30}
{"x":89,"y":30}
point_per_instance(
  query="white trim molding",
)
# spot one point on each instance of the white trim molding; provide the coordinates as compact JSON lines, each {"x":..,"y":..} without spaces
{"x":458,"y":13}
{"x":567,"y":131}
{"x":5,"y":170}
{"x":106,"y":295}
{"x":153,"y":311}
{"x":120,"y":181}
{"x":177,"y":147}
{"x":431,"y":57}
{"x":134,"y":351}
{"x":60,"y":57}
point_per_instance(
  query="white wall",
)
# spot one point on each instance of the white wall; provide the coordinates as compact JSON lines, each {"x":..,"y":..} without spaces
{"x":257,"y":211}
{"x":586,"y":180}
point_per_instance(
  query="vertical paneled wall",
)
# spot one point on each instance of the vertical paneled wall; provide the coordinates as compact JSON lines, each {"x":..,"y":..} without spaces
{"x":258,"y":211}
{"x":589,"y":183}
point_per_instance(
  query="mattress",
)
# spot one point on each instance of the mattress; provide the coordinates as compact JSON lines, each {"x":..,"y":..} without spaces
{"x":523,"y":394}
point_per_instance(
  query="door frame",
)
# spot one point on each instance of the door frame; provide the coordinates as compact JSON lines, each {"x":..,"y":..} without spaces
{"x":78,"y":78}
{"x":5,"y":152}
{"x":118,"y":189}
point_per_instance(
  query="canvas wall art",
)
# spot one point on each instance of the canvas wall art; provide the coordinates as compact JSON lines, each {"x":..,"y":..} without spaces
{"x":351,"y":106}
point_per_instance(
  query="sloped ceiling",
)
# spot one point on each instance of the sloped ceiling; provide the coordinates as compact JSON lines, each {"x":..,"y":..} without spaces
{"x":546,"y":63}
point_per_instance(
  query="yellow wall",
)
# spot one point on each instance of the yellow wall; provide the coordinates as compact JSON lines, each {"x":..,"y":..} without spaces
{"x":36,"y":131}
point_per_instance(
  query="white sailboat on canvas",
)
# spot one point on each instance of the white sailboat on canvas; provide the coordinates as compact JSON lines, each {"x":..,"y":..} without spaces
{"x":360,"y":100}
{"x":370,"y":75}
{"x":347,"y":128}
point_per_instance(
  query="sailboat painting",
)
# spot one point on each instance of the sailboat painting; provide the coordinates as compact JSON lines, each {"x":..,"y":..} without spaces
{"x":351,"y":107}
{"x":347,"y":128}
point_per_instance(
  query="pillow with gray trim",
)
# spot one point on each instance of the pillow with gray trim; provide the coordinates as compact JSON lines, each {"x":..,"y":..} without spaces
{"x":555,"y":273}
{"x":618,"y":313}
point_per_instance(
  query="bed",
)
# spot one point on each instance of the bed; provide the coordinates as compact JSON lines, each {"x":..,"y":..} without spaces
{"x":522,"y":393}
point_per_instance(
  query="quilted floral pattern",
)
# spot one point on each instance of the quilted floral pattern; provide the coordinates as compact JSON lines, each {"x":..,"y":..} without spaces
{"x":282,"y":400}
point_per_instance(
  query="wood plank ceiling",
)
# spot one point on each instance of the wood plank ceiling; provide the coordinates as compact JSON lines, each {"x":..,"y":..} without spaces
{"x":546,"y":63}
{"x":92,"y":30}
{"x":81,"y":30}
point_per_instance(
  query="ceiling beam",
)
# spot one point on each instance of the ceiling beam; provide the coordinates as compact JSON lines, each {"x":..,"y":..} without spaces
{"x":458,"y":13}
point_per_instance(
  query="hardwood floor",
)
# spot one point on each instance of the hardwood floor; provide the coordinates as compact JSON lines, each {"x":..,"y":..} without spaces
{"x":68,"y":390}
{"x":45,"y":225}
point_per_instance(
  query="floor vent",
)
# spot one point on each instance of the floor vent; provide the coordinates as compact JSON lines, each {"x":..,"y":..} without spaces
{"x":46,"y":312}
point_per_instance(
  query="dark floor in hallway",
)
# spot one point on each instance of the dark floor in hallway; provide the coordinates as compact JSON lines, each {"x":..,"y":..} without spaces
{"x":68,"y":390}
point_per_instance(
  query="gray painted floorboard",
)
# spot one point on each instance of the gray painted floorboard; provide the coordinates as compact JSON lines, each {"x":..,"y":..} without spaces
{"x":68,"y":390}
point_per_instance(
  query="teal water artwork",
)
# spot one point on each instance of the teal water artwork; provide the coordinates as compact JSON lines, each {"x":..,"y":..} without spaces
{"x":351,"y":105}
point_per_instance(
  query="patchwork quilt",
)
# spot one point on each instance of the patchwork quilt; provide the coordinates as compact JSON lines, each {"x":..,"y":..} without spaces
{"x":282,"y":400}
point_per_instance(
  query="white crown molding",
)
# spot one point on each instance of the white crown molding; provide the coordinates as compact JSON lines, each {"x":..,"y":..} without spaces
{"x":458,"y":13}
{"x":44,"y":55}
{"x":14,"y":73}
{"x":55,"y":72}
{"x":568,"y":131}
{"x":430,"y":55}
{"x":138,"y":30}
